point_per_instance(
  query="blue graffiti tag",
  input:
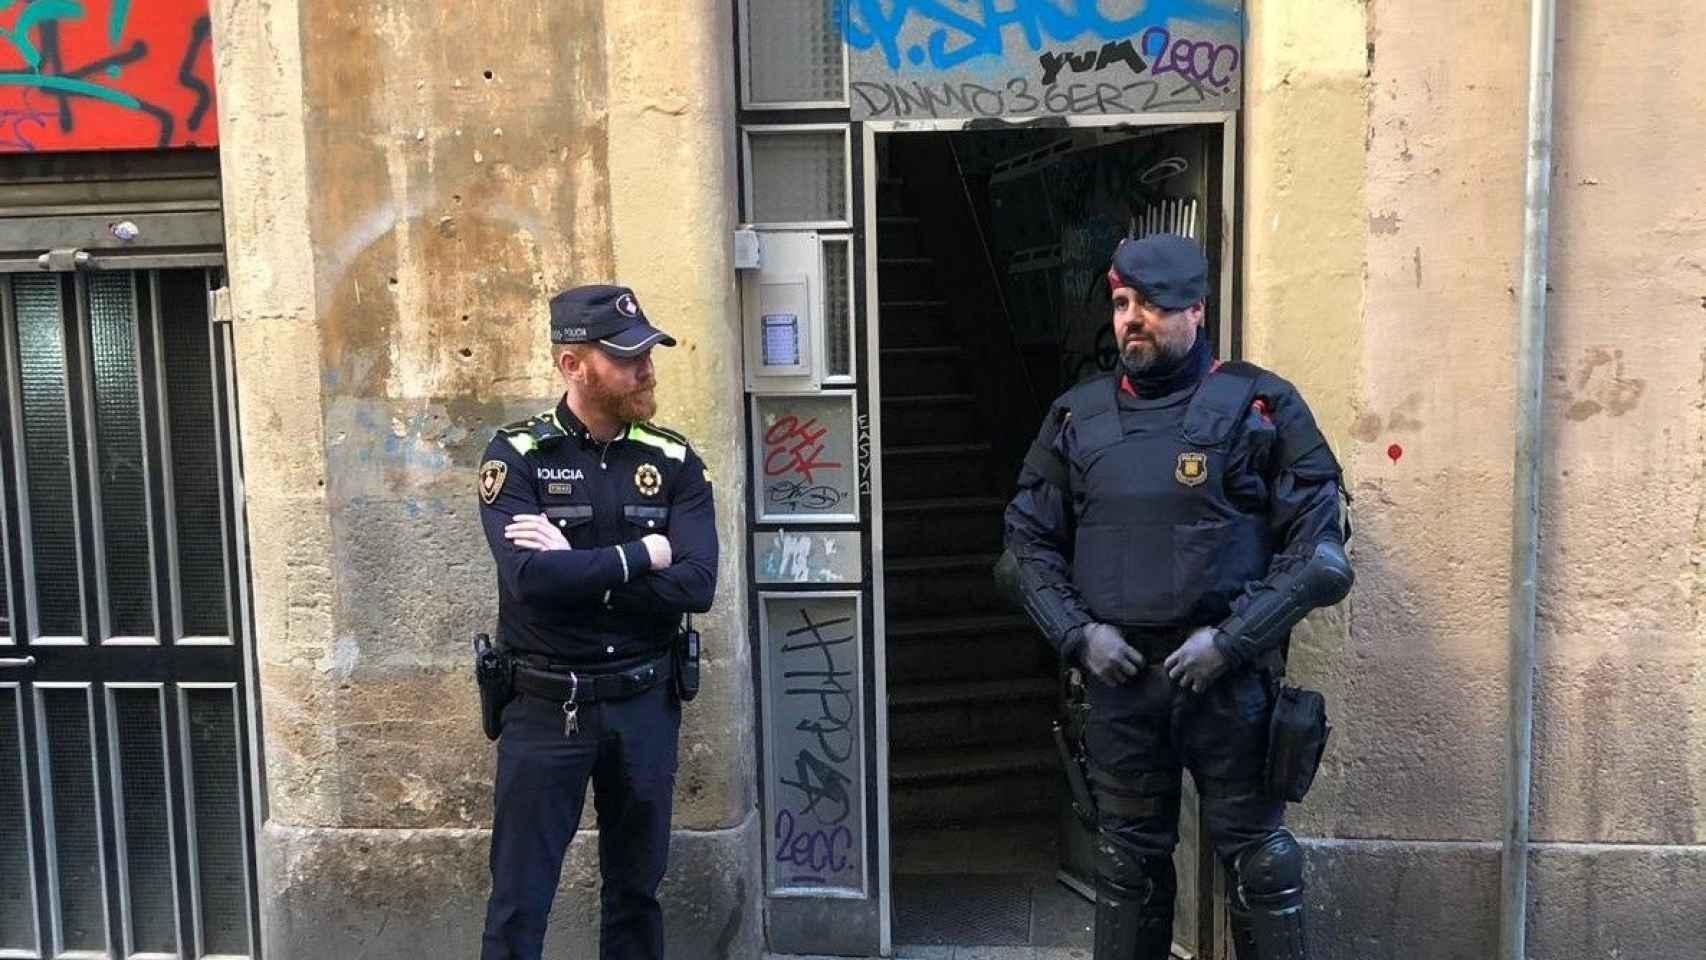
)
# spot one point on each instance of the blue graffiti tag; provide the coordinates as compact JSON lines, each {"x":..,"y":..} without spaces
{"x":960,"y":37}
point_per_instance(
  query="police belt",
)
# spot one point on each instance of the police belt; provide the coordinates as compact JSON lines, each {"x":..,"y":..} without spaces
{"x":569,"y":686}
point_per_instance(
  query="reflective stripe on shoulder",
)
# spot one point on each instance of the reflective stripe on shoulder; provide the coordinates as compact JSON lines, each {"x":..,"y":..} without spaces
{"x":522,"y":442}
{"x":671,"y":444}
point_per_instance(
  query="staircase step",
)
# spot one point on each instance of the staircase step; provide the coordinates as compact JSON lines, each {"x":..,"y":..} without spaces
{"x":897,"y":236}
{"x":922,"y":696}
{"x":927,"y":767}
{"x":922,"y":628}
{"x":932,"y":418}
{"x":914,"y":322}
{"x":908,"y":371}
{"x":959,"y":784}
{"x":892,"y":199}
{"x":922,"y":586}
{"x":915,"y":472}
{"x":1015,"y":712}
{"x":944,"y":564}
{"x":906,"y":279}
{"x":965,"y":648}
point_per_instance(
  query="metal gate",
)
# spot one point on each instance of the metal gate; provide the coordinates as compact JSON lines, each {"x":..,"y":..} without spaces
{"x":125,"y":824}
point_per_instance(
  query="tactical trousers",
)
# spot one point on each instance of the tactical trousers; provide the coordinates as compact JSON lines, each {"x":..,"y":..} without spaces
{"x":627,"y":749}
{"x":1140,"y":737}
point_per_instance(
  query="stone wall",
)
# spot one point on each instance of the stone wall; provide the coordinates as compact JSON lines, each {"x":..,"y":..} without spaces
{"x":405,"y":186}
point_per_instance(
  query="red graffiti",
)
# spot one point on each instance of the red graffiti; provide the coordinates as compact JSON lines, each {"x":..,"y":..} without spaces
{"x":793,"y":446}
{"x":1395,"y":452}
{"x":106,"y":75}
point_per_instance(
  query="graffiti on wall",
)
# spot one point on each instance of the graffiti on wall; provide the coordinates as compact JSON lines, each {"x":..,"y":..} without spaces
{"x":816,"y":770}
{"x":105,"y":75}
{"x":820,"y":556}
{"x":924,"y":59}
{"x":806,"y":456}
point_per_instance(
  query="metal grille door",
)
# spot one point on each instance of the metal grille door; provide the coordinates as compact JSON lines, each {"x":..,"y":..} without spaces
{"x":125,"y":824}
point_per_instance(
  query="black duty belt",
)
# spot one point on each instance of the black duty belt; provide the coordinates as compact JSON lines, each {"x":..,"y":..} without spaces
{"x":569,"y":686}
{"x":1156,"y":643}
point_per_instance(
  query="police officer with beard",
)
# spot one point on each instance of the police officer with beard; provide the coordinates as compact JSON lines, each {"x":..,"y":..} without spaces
{"x":604,"y":536}
{"x":1174,"y":521}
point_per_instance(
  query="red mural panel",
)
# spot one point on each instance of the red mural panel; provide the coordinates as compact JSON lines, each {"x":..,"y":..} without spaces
{"x":105,"y":75}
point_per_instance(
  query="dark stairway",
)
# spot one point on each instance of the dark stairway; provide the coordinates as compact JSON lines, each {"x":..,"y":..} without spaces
{"x":971,"y":687}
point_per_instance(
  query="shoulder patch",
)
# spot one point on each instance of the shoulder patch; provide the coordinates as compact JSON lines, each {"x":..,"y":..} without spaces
{"x":492,"y":474}
{"x":672,"y":444}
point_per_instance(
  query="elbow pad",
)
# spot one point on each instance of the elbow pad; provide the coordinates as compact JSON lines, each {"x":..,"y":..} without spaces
{"x":1321,"y":582}
{"x":1041,"y":603}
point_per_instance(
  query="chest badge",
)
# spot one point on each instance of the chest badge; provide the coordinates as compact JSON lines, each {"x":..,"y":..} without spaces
{"x":648,"y":480}
{"x":1192,"y":469}
{"x":492,"y":474}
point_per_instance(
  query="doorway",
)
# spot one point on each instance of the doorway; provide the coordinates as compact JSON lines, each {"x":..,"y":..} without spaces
{"x":990,"y":256}
{"x":125,"y":801}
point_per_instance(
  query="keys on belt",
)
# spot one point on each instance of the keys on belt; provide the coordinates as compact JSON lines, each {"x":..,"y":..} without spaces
{"x":573,"y":689}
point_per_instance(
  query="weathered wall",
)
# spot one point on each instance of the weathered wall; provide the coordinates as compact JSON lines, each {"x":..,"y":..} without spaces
{"x":1383,"y":213}
{"x":406,"y":185}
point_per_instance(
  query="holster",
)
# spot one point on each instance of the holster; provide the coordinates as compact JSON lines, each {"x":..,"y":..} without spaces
{"x":684,"y":653}
{"x":1297,"y":739}
{"x":494,"y":673}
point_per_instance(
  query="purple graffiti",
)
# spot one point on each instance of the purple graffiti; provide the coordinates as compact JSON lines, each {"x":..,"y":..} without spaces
{"x":819,"y":853}
{"x":1200,"y":61}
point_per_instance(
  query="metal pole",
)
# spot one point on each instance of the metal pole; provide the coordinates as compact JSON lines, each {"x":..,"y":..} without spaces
{"x":1525,"y":533}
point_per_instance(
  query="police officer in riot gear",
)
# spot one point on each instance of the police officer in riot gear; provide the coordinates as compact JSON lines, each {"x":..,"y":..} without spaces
{"x":1174,"y":521}
{"x":604,"y":536}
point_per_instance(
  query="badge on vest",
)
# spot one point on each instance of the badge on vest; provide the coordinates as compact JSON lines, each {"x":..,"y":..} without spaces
{"x":492,"y":474}
{"x":648,"y":480}
{"x":1192,"y":470}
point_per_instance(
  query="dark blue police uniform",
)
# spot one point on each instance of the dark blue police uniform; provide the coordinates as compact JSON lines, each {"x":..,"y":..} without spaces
{"x":1158,"y":512}
{"x":598,"y":622}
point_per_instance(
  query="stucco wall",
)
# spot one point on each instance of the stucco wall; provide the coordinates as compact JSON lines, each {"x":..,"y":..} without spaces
{"x":1384,"y":211}
{"x":405,"y":187}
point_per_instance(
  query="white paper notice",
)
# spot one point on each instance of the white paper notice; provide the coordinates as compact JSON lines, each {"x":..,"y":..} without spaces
{"x":781,"y":340}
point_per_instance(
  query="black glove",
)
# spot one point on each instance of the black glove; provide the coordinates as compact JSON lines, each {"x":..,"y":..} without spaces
{"x":1106,"y":654}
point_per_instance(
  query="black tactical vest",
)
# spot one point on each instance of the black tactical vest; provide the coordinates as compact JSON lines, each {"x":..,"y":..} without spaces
{"x":1158,"y":541}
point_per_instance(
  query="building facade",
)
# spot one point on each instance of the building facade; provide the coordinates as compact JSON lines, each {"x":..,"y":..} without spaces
{"x":274,"y":270}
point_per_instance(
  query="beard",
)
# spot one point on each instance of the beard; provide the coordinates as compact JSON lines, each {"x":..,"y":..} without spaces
{"x":626,"y":406}
{"x":1142,"y":356}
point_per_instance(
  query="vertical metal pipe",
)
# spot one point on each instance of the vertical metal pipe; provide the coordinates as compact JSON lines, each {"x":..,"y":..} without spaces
{"x":1525,"y":541}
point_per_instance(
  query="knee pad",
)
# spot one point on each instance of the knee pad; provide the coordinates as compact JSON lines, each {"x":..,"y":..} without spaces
{"x":1266,"y":902}
{"x":1272,"y":868}
{"x":1145,"y":878}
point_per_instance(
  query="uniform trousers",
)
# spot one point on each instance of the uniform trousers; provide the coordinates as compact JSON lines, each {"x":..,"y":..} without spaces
{"x":1142,"y":734}
{"x":627,"y":749}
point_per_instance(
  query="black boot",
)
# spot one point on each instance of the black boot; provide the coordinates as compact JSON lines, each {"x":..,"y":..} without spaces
{"x":1134,"y":912}
{"x":1243,"y":931}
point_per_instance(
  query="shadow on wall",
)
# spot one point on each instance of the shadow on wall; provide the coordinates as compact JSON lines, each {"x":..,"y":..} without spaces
{"x":1416,"y":749}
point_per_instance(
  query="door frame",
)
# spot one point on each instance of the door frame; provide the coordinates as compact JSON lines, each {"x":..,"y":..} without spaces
{"x":867,"y":132}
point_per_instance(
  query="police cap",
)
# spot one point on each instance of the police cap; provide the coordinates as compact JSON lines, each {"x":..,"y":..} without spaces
{"x":607,"y":315}
{"x":1169,"y":270}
